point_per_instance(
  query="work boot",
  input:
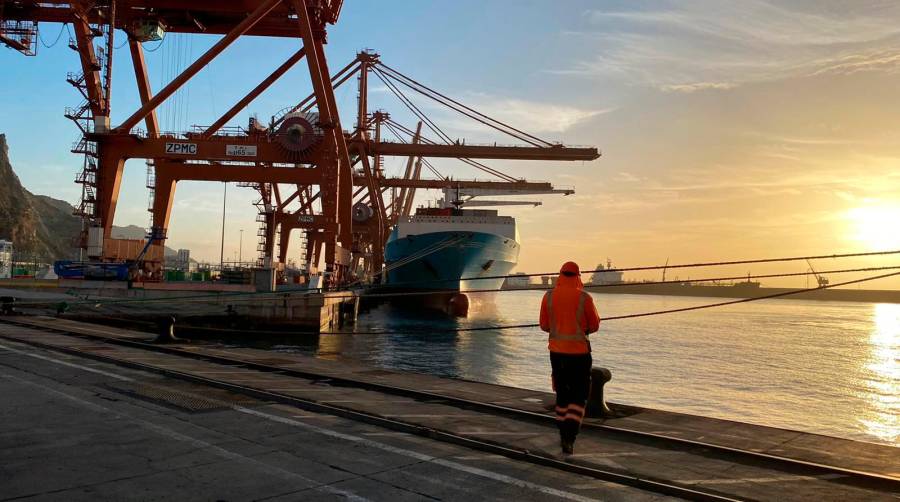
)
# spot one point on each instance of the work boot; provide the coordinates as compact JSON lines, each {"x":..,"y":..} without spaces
{"x":568,"y":447}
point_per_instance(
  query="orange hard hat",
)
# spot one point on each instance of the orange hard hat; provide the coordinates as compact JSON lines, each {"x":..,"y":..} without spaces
{"x":570,"y":267}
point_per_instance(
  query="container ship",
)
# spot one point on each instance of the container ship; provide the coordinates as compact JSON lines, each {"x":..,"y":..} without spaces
{"x":443,"y":251}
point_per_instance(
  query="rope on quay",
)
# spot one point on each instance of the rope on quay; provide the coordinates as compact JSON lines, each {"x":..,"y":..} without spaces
{"x":238,"y":297}
{"x":630,"y":316}
{"x":605,"y":319}
{"x":645,"y":283}
{"x":255,"y":296}
{"x":661,"y":267}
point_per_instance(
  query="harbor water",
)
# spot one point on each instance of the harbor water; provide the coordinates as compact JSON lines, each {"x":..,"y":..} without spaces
{"x":824,"y":367}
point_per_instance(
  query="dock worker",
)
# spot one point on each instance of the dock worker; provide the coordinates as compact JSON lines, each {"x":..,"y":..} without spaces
{"x":568,"y":314}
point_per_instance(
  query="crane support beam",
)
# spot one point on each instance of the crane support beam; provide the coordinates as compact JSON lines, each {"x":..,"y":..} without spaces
{"x":90,"y":67}
{"x":495,"y":203}
{"x":14,"y":44}
{"x":143,"y":84}
{"x":259,"y":89}
{"x":216,"y":148}
{"x":482,"y":151}
{"x":208,"y":17}
{"x":199,"y":64}
{"x":169,"y":173}
{"x":532,"y":187}
{"x":249,"y":174}
{"x":195,"y":148}
{"x":336,"y":162}
{"x":498,"y":191}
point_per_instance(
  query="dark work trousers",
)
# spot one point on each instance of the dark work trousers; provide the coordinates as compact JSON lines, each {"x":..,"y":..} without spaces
{"x":572,"y":383}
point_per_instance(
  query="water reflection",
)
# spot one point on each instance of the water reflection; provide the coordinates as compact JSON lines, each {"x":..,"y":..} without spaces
{"x":883,"y":420}
{"x":826,"y":367}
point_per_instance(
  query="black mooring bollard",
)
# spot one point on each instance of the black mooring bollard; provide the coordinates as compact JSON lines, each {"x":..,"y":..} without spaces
{"x":166,"y":330}
{"x":596,"y":405}
{"x":7,"y":305}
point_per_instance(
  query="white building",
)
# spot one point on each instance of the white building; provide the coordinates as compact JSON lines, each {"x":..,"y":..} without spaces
{"x":6,"y":253}
{"x":518,"y":280}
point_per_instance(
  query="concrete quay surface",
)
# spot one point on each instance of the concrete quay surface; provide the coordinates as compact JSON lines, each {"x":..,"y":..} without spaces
{"x":339,"y":386}
{"x":77,"y":429}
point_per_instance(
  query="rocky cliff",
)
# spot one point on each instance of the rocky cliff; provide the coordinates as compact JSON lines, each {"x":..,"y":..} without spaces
{"x":42,"y":227}
{"x":39,"y":226}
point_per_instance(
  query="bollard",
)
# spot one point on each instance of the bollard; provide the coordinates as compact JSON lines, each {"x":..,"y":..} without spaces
{"x":596,"y":405}
{"x":166,"y":330}
{"x":7,"y":305}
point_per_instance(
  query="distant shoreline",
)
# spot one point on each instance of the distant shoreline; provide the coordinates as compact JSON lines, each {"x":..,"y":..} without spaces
{"x":739,"y":291}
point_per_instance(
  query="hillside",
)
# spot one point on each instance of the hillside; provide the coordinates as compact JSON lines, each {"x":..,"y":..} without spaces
{"x":39,"y":226}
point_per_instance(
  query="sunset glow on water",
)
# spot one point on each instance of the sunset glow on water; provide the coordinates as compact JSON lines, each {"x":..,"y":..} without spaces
{"x":824,"y":367}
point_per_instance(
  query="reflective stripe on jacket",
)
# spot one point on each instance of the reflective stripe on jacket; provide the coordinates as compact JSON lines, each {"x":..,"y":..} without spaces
{"x":569,"y":315}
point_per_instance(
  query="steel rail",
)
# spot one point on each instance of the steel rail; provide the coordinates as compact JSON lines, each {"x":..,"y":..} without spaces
{"x":641,"y":482}
{"x":866,"y":479}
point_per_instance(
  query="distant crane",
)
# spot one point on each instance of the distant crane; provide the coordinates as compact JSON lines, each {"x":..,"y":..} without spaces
{"x":821,"y":279}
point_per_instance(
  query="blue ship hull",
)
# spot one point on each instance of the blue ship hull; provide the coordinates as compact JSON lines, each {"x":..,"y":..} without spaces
{"x":450,"y":262}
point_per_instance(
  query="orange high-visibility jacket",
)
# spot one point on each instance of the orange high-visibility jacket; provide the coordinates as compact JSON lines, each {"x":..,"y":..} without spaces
{"x":569,"y":315}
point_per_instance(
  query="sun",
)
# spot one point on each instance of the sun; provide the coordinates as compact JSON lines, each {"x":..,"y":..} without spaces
{"x":876,"y":226}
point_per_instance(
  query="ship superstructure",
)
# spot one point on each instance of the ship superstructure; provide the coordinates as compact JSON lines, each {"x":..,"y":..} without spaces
{"x":607,"y":274}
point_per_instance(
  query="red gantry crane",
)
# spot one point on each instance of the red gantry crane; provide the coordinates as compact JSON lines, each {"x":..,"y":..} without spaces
{"x":343,"y":200}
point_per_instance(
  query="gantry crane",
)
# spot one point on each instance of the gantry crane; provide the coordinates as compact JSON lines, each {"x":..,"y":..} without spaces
{"x":821,"y":280}
{"x":342,"y":207}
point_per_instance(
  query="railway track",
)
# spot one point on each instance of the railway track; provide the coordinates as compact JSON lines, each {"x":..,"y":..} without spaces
{"x":869,"y":480}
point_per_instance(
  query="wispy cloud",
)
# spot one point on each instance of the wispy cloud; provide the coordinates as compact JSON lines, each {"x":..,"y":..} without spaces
{"x":710,"y":45}
{"x":537,"y":117}
{"x":697,"y":86}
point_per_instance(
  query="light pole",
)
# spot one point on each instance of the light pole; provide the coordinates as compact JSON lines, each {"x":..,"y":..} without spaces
{"x":240,"y":246}
{"x":222,"y":249}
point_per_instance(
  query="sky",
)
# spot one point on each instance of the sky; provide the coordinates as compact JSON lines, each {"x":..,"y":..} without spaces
{"x":729,"y":130}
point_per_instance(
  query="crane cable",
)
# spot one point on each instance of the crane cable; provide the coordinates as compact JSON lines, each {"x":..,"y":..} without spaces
{"x":434,"y":127}
{"x":399,"y":137}
{"x":473,"y":163}
{"x":58,"y":36}
{"x":412,"y":107}
{"x":461,"y":108}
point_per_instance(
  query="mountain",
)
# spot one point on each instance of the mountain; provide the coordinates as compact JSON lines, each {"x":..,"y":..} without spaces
{"x":41,"y":227}
{"x":37,"y":225}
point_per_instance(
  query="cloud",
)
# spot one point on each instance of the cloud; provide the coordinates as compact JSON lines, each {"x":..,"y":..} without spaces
{"x":709,"y":45}
{"x":697,"y":86}
{"x":535,"y":117}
